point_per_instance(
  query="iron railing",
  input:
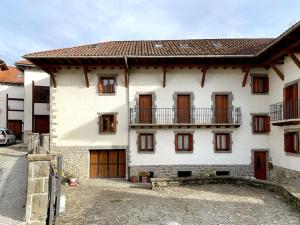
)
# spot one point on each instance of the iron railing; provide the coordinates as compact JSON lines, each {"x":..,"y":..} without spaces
{"x":197,"y":116}
{"x":285,"y":110}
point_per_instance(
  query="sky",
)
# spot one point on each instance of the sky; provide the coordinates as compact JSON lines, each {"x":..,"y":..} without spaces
{"x":34,"y":25}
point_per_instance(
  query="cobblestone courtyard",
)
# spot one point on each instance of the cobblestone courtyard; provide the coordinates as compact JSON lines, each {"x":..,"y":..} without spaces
{"x":109,"y":202}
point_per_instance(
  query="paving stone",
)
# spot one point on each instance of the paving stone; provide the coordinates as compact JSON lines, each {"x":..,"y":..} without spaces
{"x":102,"y":201}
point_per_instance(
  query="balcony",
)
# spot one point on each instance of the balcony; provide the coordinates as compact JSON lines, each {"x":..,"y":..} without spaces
{"x":194,"y":117}
{"x":285,"y":113}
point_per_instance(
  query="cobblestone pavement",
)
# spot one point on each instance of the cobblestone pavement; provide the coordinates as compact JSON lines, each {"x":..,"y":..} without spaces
{"x":13,"y":181}
{"x":109,"y":202}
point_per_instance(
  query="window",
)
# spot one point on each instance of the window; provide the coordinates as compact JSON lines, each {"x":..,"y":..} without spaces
{"x":184,"y":142}
{"x":260,"y":84}
{"x":106,"y":85}
{"x":291,"y":142}
{"x":41,"y":94}
{"x":260,"y":123}
{"x":222,"y":142}
{"x":146,"y":142}
{"x":184,"y":173}
{"x":108,"y":123}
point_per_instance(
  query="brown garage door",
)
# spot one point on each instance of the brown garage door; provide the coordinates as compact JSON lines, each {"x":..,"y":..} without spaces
{"x":108,"y":163}
{"x":16,"y":127}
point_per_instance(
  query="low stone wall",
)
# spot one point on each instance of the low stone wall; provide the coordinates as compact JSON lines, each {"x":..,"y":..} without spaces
{"x":159,"y":183}
{"x":284,"y":176}
{"x":170,"y":171}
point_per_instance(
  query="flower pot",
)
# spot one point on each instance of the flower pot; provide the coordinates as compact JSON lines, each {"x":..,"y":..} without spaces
{"x":144,"y":179}
{"x":73,"y":181}
{"x":133,"y":179}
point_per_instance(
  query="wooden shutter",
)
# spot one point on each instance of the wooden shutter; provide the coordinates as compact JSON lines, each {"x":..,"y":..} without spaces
{"x":255,"y":84}
{"x":176,"y":142}
{"x":190,"y":142}
{"x":266,"y":84}
{"x":101,"y":123}
{"x":287,"y":141}
{"x":114,"y":123}
{"x":267,"y":123}
{"x":100,"y":85}
{"x":228,"y":142}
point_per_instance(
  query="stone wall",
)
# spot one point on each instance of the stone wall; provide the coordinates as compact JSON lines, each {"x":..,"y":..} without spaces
{"x":37,"y":189}
{"x":284,"y":176}
{"x":197,"y":170}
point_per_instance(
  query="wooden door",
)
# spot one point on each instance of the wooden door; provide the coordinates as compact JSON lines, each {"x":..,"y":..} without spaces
{"x":41,"y":124}
{"x":16,"y":127}
{"x":221,"y":109}
{"x":183,"y":108}
{"x":290,"y":105}
{"x":145,"y":109}
{"x":108,"y":163}
{"x":260,"y":165}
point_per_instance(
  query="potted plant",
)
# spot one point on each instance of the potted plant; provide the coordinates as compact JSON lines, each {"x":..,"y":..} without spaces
{"x":144,"y":176}
{"x":133,"y":179}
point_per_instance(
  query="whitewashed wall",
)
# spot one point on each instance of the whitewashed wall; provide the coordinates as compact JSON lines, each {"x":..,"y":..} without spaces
{"x":279,"y":157}
{"x":13,"y":92}
{"x":42,"y":79}
{"x":189,"y":80}
{"x":75,"y":119}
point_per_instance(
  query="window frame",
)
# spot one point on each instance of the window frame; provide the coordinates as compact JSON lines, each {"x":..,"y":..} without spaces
{"x":114,"y":122}
{"x":288,"y":150}
{"x":265,"y":88}
{"x":266,"y":123}
{"x":190,"y":142}
{"x":101,"y":85}
{"x":146,"y":144}
{"x":228,"y":142}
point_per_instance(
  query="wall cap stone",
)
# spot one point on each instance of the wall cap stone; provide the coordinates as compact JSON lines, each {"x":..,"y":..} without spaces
{"x":40,"y":157}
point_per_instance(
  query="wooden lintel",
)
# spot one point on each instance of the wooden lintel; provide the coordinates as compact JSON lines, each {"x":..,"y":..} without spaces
{"x":277,"y":71}
{"x":294,"y":58}
{"x":247,"y":70}
{"x":85,"y":71}
{"x":126,"y":76}
{"x":164,"y":76}
{"x":203,"y":70}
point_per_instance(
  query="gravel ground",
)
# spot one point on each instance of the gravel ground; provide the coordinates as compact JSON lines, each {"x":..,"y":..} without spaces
{"x":109,"y":202}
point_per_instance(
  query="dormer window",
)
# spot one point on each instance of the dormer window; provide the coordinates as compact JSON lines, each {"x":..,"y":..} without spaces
{"x":184,"y":45}
{"x":158,"y":45}
{"x":217,"y":45}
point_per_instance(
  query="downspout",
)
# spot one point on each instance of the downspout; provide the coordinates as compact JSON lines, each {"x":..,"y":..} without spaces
{"x":128,"y":115}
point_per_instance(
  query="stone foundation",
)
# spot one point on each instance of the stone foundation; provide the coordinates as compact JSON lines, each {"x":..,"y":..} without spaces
{"x":284,"y":176}
{"x":197,"y":170}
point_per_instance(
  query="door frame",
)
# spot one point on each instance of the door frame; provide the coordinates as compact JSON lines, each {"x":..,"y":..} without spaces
{"x":267,"y":151}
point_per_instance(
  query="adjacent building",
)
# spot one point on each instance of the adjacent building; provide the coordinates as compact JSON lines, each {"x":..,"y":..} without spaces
{"x":175,"y":107}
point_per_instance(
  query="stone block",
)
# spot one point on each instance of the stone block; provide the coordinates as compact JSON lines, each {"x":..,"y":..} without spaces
{"x":36,"y":186}
{"x":39,"y":207}
{"x":41,"y":169}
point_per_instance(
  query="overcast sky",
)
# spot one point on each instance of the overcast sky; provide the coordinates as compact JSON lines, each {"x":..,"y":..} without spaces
{"x":34,"y":25}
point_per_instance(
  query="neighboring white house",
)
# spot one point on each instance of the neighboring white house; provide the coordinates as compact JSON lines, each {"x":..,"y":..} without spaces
{"x":36,"y":98}
{"x":176,"y":108}
{"x":11,"y":99}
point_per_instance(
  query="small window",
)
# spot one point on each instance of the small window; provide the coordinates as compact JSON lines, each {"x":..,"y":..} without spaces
{"x":184,"y":142}
{"x":222,"y":173}
{"x":106,"y":85}
{"x":291,"y":142}
{"x":41,"y":94}
{"x":108,"y":123}
{"x":260,"y":85}
{"x":261,"y":124}
{"x":222,"y":142}
{"x":184,"y":173}
{"x":146,"y":142}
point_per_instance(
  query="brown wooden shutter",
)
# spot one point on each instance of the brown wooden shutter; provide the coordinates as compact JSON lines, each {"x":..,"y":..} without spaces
{"x":297,"y":143}
{"x":100,"y":85}
{"x":176,"y":142}
{"x":286,"y":141}
{"x":253,"y":124}
{"x":267,"y":124}
{"x":266,"y":84}
{"x":190,"y":142}
{"x":115,"y":122}
{"x":255,"y":84}
{"x":228,"y":142}
{"x":101,"y":123}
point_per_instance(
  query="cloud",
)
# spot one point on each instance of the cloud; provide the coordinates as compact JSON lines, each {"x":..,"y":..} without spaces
{"x":28,"y":26}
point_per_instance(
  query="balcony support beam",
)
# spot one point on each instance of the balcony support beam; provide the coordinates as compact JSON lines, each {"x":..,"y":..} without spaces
{"x":277,"y":71}
{"x":85,"y":71}
{"x":164,"y":76}
{"x":51,"y":72}
{"x":294,"y":58}
{"x":246,"y":71}
{"x":203,"y":70}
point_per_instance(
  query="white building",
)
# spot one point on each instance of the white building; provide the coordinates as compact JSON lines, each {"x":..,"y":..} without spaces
{"x":177,"y":108}
{"x":11,"y":99}
{"x":36,"y":98}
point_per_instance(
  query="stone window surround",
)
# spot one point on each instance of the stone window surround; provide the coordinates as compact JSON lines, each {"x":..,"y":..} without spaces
{"x":99,"y":122}
{"x":268,"y":159}
{"x":230,"y":100}
{"x":252,"y":75}
{"x":184,"y":132}
{"x":292,"y":130}
{"x":251,"y":123}
{"x":115,"y":76}
{"x":138,"y":138}
{"x":137,"y":98}
{"x":192,"y":98}
{"x":214,"y":140}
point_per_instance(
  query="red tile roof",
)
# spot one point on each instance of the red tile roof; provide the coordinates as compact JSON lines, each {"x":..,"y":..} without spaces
{"x":194,"y":47}
{"x":12,"y":75}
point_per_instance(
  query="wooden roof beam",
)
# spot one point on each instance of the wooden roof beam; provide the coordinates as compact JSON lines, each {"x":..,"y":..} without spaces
{"x":294,"y":58}
{"x":50,"y":71}
{"x":85,"y":71}
{"x":164,"y":76}
{"x":246,"y":70}
{"x":203,"y":70}
{"x":277,"y":71}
